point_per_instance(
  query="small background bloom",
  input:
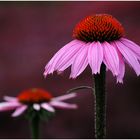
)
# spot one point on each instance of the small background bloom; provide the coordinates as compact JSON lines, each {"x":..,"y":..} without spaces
{"x":30,"y":34}
{"x":37,"y":100}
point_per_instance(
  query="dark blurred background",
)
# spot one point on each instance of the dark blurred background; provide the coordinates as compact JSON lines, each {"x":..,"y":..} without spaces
{"x":30,"y":34}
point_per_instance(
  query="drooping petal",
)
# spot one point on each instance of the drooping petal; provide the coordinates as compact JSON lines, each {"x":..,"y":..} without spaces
{"x":64,"y":97}
{"x":52,"y":63}
{"x":80,"y":62}
{"x":111,"y":58}
{"x":10,"y":99}
{"x":36,"y":107}
{"x":67,"y":59}
{"x":4,"y":106}
{"x":122,"y":71}
{"x":121,"y":65}
{"x":129,"y":56}
{"x":95,"y":56}
{"x":19,"y":111}
{"x":51,"y":66}
{"x":63,"y":105}
{"x":47,"y":107}
{"x":132,"y":46}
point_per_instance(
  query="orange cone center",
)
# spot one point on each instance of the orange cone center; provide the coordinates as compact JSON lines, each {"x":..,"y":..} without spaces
{"x":34,"y":95}
{"x":101,"y":27}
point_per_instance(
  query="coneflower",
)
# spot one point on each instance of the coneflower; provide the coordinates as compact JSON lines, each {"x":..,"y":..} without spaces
{"x":37,"y":103}
{"x":98,"y":41}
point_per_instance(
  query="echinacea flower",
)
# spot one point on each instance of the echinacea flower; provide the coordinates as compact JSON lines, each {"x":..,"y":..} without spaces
{"x":97,"y":39}
{"x":37,"y":99}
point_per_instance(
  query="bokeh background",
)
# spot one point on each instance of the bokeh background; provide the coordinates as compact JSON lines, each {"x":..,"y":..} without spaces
{"x":30,"y":34}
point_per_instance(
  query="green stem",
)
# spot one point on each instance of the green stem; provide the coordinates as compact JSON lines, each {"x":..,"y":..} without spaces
{"x":80,"y":87}
{"x":100,"y":103}
{"x":34,"y":124}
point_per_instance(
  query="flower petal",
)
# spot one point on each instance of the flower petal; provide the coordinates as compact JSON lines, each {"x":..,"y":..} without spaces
{"x":19,"y":111}
{"x":51,"y":66}
{"x":63,"y":105}
{"x":122,"y":71}
{"x":131,"y":45}
{"x":111,"y":58}
{"x":4,"y":106}
{"x":67,"y":59}
{"x":65,"y":97}
{"x":36,"y":107}
{"x":10,"y":99}
{"x":129,"y":56}
{"x":121,"y":65}
{"x":47,"y":107}
{"x":95,"y":56}
{"x":80,"y":62}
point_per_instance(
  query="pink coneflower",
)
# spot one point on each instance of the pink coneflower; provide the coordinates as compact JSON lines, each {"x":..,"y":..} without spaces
{"x":97,"y":39}
{"x":37,"y":99}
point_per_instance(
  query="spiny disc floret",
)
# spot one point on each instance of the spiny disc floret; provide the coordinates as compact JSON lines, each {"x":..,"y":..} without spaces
{"x":35,"y":95}
{"x":100,"y":27}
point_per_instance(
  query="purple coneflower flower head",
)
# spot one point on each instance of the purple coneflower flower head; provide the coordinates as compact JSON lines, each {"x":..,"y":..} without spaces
{"x":97,"y":39}
{"x":37,"y":99}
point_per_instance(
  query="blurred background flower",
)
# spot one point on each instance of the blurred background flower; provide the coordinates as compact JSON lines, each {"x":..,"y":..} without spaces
{"x":36,"y":99}
{"x":37,"y":104}
{"x":30,"y":34}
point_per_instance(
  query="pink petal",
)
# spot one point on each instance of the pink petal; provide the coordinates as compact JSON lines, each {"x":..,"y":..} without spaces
{"x":47,"y":107}
{"x":67,"y":59}
{"x":63,"y":105}
{"x":111,"y":58}
{"x":65,"y":97}
{"x":19,"y":111}
{"x":80,"y":62}
{"x":121,"y":65}
{"x":131,"y":45}
{"x":52,"y":63}
{"x":36,"y":107}
{"x":51,"y":66}
{"x":122,"y":71}
{"x":10,"y":99}
{"x":95,"y":56}
{"x":4,"y":106}
{"x":129,"y":56}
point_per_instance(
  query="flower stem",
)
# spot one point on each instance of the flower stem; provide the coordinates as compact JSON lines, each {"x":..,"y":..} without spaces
{"x":100,"y":103}
{"x":80,"y":87}
{"x":34,"y":123}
